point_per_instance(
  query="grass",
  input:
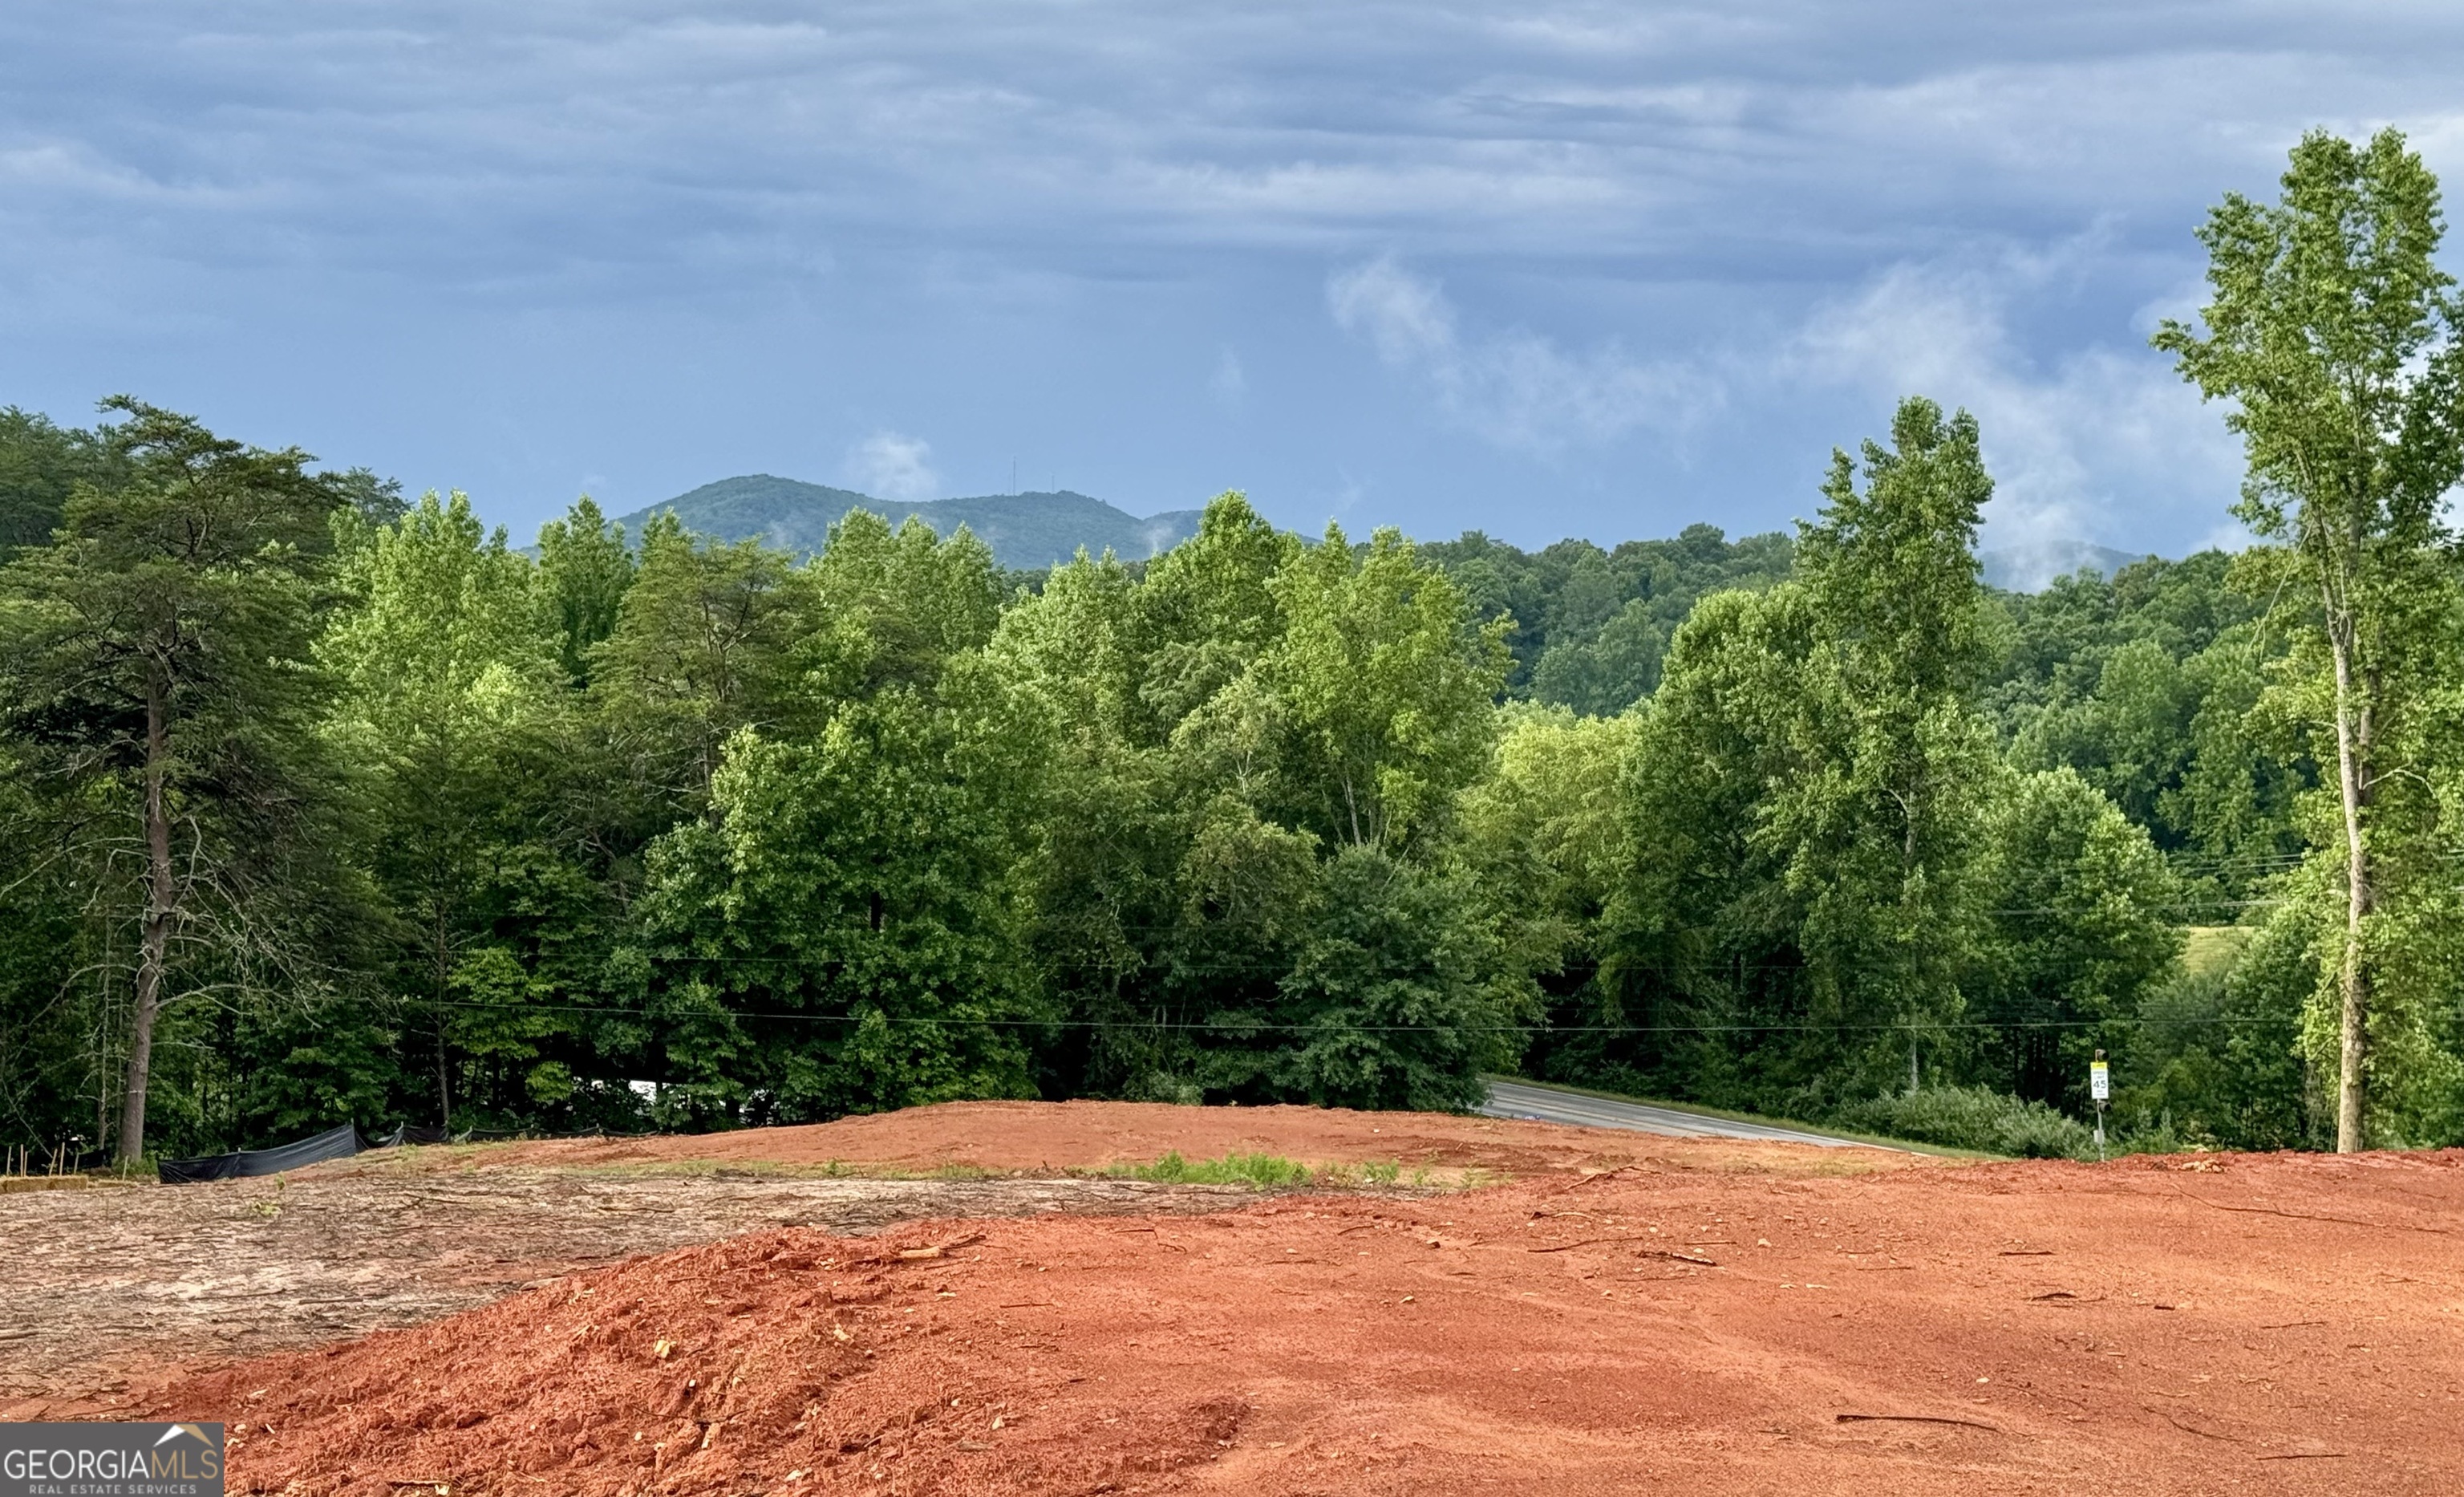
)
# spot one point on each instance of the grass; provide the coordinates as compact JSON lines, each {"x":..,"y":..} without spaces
{"x":1273,"y":1172}
{"x":1253,"y":1171}
{"x":1697,"y":1109}
{"x":1266,"y":1171}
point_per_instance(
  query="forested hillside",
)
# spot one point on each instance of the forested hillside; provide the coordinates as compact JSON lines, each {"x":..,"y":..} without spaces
{"x":320,"y":806}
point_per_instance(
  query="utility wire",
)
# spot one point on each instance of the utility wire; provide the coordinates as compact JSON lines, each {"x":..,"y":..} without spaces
{"x":1252,"y":1027}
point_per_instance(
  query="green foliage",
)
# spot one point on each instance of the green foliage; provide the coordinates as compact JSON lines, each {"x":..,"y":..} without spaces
{"x":2080,"y":933}
{"x":329,"y":806}
{"x":1971,"y":1117}
{"x":585,"y":569}
{"x":702,"y":648}
{"x":41,"y":464}
{"x":1589,"y":628}
{"x":842,"y":939}
{"x":1266,"y":1171}
{"x":160,"y":703}
{"x":2341,"y":344}
{"x":1373,"y":707}
{"x":1807,"y":807}
{"x":1544,"y":838}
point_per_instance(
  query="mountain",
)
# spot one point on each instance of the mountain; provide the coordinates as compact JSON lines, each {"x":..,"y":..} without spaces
{"x":1024,"y":530}
{"x":2033,"y":567}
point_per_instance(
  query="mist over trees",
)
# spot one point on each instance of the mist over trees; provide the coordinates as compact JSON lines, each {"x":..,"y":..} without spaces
{"x":317,"y":804}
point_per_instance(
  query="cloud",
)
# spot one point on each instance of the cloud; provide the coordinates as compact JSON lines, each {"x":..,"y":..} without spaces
{"x":566,"y":222}
{"x":1514,"y":387}
{"x":1230,"y":383}
{"x":889,"y":466}
{"x":2099,"y":441}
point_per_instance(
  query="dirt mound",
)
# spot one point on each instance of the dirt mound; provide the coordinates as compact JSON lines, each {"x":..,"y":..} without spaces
{"x":1032,"y":1137}
{"x":109,"y":1288}
{"x":2258,"y":1324}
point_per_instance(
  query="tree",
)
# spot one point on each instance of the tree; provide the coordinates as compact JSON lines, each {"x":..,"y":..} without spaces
{"x":843,"y":933}
{"x":449,"y":688}
{"x":40,"y":467}
{"x":1881,"y":819}
{"x":2335,"y":334}
{"x":701,"y":649}
{"x":584,"y":571}
{"x":1377,"y":697}
{"x":1805,"y":798}
{"x":160,"y":650}
{"x":2078,"y":932}
{"x":1396,"y":996}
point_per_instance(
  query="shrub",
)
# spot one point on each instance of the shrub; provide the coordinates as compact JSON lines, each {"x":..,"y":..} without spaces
{"x":1971,"y":1117}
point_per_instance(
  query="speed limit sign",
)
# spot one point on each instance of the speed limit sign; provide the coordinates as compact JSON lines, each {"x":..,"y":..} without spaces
{"x":2100,"y":1081}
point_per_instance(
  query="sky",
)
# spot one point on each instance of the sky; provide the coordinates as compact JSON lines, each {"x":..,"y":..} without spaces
{"x":1530,"y":267}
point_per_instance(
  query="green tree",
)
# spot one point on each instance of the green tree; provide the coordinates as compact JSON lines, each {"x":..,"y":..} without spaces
{"x":1377,"y":698}
{"x":1543,"y":839}
{"x":844,"y":930}
{"x":702,"y":649}
{"x":40,"y":467}
{"x":1880,"y":818}
{"x":449,"y":707}
{"x":585,"y":569}
{"x":2334,"y":333}
{"x":1394,"y":997}
{"x":2078,"y":934}
{"x":159,"y":653}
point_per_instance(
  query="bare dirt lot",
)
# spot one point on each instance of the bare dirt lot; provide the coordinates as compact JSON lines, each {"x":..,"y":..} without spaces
{"x":108,"y":1284}
{"x":1696,"y":1320}
{"x":1044,"y":1137}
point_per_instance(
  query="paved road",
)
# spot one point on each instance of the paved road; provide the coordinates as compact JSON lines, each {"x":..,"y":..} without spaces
{"x":1548,"y":1105}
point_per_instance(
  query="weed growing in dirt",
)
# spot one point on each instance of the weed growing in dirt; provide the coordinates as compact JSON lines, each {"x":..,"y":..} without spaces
{"x":1266,"y":1171}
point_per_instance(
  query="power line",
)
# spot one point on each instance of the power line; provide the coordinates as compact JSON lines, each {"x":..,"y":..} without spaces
{"x":1252,"y":1026}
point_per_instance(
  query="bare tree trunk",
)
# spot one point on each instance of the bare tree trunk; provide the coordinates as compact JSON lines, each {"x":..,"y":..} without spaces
{"x":2352,"y":754}
{"x":162,"y":891}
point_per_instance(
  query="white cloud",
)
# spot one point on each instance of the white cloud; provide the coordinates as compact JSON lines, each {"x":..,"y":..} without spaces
{"x":1229,"y":384}
{"x":889,"y":466}
{"x":1514,"y":387}
{"x":2097,"y":443}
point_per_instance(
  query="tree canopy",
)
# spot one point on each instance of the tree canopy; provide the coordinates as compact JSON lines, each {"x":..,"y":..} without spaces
{"x":318,"y":805}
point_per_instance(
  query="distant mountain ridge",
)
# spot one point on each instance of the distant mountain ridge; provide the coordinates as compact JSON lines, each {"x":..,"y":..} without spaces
{"x":1037,"y":530}
{"x":1024,"y":530}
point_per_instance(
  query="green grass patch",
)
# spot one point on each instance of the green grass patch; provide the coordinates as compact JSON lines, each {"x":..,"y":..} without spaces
{"x":1266,"y":1171}
{"x":1273,"y":1172}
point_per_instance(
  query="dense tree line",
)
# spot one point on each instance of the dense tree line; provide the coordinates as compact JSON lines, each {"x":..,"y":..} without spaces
{"x":318,"y":805}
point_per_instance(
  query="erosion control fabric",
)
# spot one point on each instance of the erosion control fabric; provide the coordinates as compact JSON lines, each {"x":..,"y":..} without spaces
{"x":334,"y":1143}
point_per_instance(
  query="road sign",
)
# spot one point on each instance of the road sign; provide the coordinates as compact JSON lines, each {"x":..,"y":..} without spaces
{"x":2100,"y":1081}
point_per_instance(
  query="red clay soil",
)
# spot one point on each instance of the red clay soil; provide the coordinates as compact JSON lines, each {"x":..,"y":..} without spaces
{"x":1005,"y":1136}
{"x":2220,"y":1324}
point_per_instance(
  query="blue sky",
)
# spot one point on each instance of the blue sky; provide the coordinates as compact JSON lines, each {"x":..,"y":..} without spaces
{"x":1537,"y":268}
